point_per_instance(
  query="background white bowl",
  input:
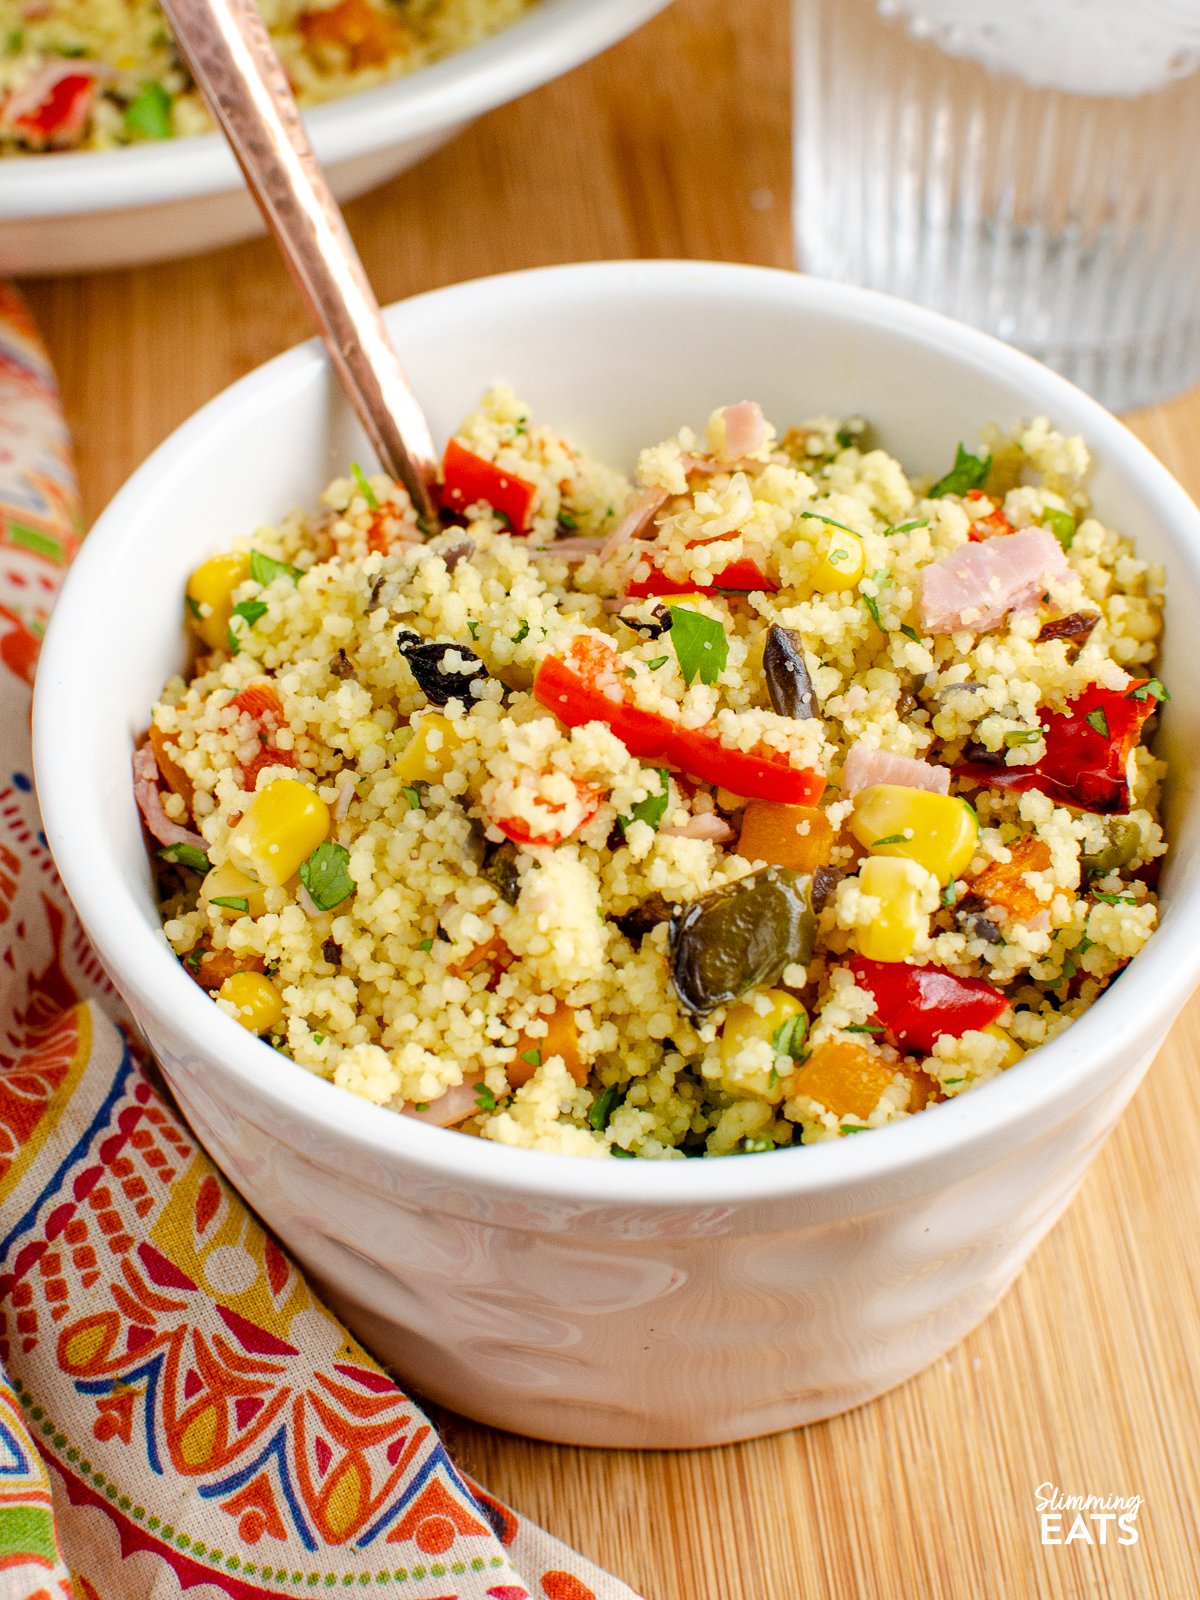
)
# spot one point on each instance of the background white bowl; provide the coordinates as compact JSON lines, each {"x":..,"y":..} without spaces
{"x":148,"y":202}
{"x":617,"y":1303}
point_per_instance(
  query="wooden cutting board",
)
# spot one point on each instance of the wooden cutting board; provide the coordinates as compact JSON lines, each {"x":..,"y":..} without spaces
{"x":677,"y":144}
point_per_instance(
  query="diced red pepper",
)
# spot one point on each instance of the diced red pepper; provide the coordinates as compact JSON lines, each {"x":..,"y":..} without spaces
{"x":744,"y":575}
{"x":991,"y":526}
{"x":468,"y":478}
{"x":260,"y":701}
{"x":585,"y":688}
{"x":59,"y":116}
{"x":917,"y":1005}
{"x":1085,"y":760}
{"x":519,"y":831}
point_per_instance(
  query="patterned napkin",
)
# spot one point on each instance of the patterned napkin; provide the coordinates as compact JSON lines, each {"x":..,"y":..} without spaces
{"x":205,"y":1426}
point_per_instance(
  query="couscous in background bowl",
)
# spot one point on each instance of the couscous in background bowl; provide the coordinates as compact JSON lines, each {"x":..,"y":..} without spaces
{"x":629,"y":1303}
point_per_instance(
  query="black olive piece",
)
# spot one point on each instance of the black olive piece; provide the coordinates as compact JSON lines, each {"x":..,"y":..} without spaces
{"x":616,"y":837}
{"x":637,"y":922}
{"x":659,"y":621}
{"x":500,"y":870}
{"x":824,"y":881}
{"x":341,"y":666}
{"x":332,"y":951}
{"x":460,"y":550}
{"x":373,"y":600}
{"x":437,"y":680}
{"x":906,"y":703}
{"x":973,"y":751}
{"x":741,"y":936}
{"x":788,"y":682}
{"x":971,"y":916}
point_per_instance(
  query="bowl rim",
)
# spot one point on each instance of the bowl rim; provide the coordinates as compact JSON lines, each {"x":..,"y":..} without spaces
{"x":549,"y":40}
{"x":1121,"y":1023}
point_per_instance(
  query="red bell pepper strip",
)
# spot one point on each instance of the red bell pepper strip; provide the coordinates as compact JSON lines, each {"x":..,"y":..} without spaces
{"x":60,"y":114}
{"x":468,"y":478}
{"x":585,"y":687}
{"x":743,"y":575}
{"x":1087,"y":747}
{"x":917,"y":1005}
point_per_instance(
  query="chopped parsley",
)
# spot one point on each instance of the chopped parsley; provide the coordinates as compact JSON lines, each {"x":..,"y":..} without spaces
{"x":413,"y":796}
{"x":946,"y":1082}
{"x":149,"y":112}
{"x":881,"y":580}
{"x":192,"y":960}
{"x":968,"y":472}
{"x":1069,"y":969}
{"x":1085,"y":944}
{"x":521,"y":633}
{"x":326,"y":875}
{"x":909,"y":632}
{"x":1020,"y":736}
{"x":653,"y":808}
{"x":949,"y":896}
{"x":906,"y":527}
{"x":247,"y":612}
{"x":364,"y":488}
{"x":816,"y":516}
{"x":788,"y":1038}
{"x":659,"y":661}
{"x":855,"y":1127}
{"x":265,"y":569}
{"x":193,"y":606}
{"x":864,"y":1027}
{"x":619,"y":1150}
{"x":700,"y":645}
{"x":1061,"y":525}
{"x":602,"y":1107}
{"x":567,"y":521}
{"x":892,"y":838}
{"x":1115,"y":899}
{"x":1099,"y":722}
{"x":1153,"y":690}
{"x":473,"y":629}
{"x":531,"y":1058}
{"x":426,"y":945}
{"x":231,"y":902}
{"x":185,"y":855}
{"x":484,"y":1098}
{"x":318,"y":1038}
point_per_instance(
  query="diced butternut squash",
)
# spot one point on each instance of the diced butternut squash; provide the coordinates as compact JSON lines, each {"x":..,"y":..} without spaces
{"x":799,"y":837}
{"x":844,"y":1078}
{"x":211,"y":968}
{"x":924,"y":1090}
{"x":175,"y":778}
{"x":494,"y":951}
{"x":369,"y":37}
{"x":1003,"y":882}
{"x":560,"y":1039}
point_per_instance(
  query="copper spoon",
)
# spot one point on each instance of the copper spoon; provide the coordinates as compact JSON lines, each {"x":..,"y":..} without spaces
{"x":230,"y":53}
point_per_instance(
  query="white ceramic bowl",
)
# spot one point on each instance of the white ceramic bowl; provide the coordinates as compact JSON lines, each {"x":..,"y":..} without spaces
{"x":614,"y":1303}
{"x":112,"y":208}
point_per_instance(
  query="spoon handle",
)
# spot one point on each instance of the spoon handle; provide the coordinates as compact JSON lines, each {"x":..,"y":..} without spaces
{"x":230,"y":53}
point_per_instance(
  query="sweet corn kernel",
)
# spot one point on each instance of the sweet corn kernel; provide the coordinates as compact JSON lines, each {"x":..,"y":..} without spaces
{"x":939,"y":832}
{"x":841,"y":561}
{"x":897,"y":883}
{"x":745,"y":1025}
{"x":283,"y":825}
{"x":257,"y":1003}
{"x":431,"y":750}
{"x":210,"y":596}
{"x":227,"y":883}
{"x":1012,"y":1050}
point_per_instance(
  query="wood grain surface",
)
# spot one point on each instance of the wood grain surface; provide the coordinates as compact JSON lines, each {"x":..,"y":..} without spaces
{"x":677,"y":144}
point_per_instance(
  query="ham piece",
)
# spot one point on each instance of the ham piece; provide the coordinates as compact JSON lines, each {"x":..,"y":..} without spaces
{"x":865,"y":767}
{"x":455,"y":1106}
{"x":976,"y":586}
{"x":745,"y":428}
{"x":149,"y":798}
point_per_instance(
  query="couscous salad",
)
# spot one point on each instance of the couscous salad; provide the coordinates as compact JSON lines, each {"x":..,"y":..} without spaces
{"x":93,"y":74}
{"x":769,"y":799}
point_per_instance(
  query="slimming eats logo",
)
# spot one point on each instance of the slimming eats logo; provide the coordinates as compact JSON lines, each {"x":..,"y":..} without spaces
{"x":1086,"y":1518}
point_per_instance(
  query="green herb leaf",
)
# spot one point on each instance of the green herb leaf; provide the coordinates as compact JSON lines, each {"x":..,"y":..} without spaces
{"x":148,"y":114}
{"x":659,"y":661}
{"x":1020,"y":736}
{"x":855,"y":1127}
{"x":619,"y":1150}
{"x":531,"y":1058}
{"x":968,"y":472}
{"x":326,"y":875}
{"x":426,"y":945}
{"x":1149,"y":691}
{"x":948,"y":896}
{"x":521,"y":633}
{"x":231,"y":902}
{"x":1085,"y":944}
{"x":420,"y":1105}
{"x":700,"y":645}
{"x":864,"y":1027}
{"x":567,"y":521}
{"x":892,"y":838}
{"x":815,"y":516}
{"x":364,"y":487}
{"x":318,"y":1038}
{"x":473,"y":629}
{"x":949,"y":1081}
{"x":265,"y":569}
{"x":906,"y":527}
{"x":1098,"y":721}
{"x":844,"y":438}
{"x":909,"y":632}
{"x":247,"y":612}
{"x":1115,"y":899}
{"x":193,"y":606}
{"x":413,"y":796}
{"x":192,"y":961}
{"x":1069,"y":969}
{"x":484,"y":1098}
{"x":1061,"y":525}
{"x":653,"y":808}
{"x":185,"y":855}
{"x":788,"y":1038}
{"x":872,"y":605}
{"x":602,"y":1107}
{"x":502,"y":517}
